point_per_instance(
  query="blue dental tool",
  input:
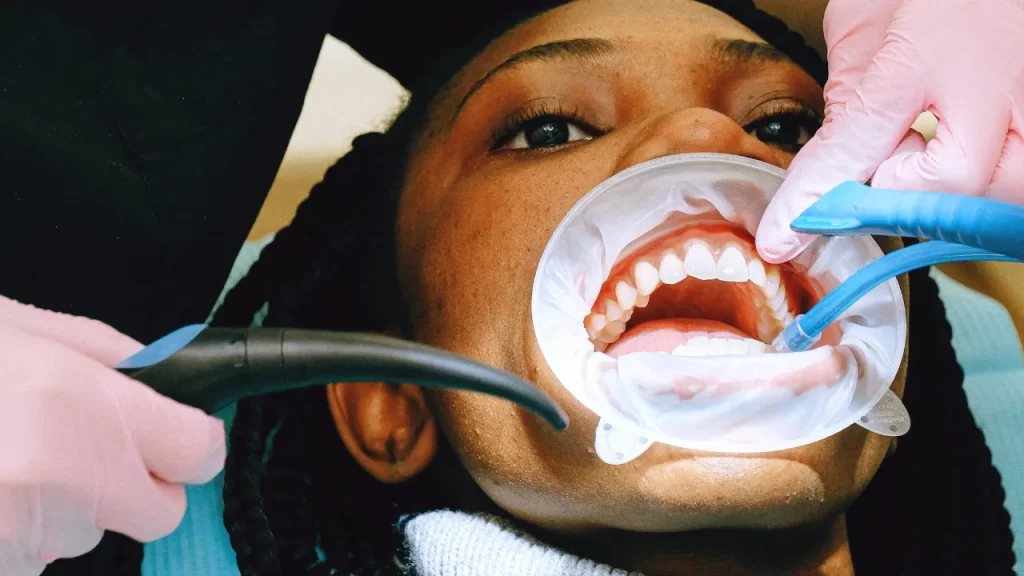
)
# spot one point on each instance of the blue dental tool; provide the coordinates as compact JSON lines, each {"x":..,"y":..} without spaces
{"x":964,"y":228}
{"x":855,"y":209}
{"x":210,"y":368}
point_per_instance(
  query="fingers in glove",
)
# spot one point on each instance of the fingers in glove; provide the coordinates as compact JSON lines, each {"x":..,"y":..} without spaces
{"x":1008,"y":178}
{"x":89,"y":337}
{"x":857,"y":137}
{"x":964,"y":155}
{"x":913,"y":143}
{"x":71,"y":424}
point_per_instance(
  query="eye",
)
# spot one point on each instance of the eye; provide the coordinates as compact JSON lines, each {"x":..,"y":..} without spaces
{"x":544,"y":132}
{"x":789,"y":131}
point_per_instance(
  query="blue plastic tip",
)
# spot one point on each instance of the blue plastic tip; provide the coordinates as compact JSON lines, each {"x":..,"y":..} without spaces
{"x":807,"y":328}
{"x":794,"y":339}
{"x":811,"y":224}
{"x":163,"y":348}
{"x":837,"y":211}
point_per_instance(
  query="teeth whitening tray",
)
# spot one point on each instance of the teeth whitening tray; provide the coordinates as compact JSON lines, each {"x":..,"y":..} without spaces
{"x":766,"y":402}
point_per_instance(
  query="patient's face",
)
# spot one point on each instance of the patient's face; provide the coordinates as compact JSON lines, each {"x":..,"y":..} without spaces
{"x":501,"y":164}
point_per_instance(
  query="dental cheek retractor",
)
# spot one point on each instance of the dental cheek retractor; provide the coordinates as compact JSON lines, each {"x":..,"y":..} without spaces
{"x":652,"y":308}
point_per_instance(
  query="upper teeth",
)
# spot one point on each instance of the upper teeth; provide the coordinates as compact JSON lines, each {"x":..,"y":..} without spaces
{"x":647,"y":277}
{"x":755,"y":272}
{"x":612,"y":310}
{"x":626,"y":294}
{"x":732,"y":266}
{"x":699,"y":261}
{"x":736,"y":263}
{"x":772,"y":281}
{"x":672,"y":269}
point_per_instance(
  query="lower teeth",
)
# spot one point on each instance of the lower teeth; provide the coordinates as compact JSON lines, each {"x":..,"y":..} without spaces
{"x":704,"y":346}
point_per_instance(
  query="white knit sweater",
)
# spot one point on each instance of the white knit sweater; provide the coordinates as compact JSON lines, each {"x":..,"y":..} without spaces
{"x":445,"y":543}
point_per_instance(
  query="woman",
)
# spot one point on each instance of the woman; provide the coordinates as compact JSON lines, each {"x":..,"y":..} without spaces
{"x":473,"y":176}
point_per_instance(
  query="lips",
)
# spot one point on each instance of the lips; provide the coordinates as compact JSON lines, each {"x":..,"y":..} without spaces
{"x":652,"y":308}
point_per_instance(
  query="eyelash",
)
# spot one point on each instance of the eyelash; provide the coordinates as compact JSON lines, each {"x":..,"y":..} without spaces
{"x":787,"y":110}
{"x":518,"y":122}
{"x":776,"y":110}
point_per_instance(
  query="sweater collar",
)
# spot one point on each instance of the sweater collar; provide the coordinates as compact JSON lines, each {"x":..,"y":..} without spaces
{"x":447,"y":543}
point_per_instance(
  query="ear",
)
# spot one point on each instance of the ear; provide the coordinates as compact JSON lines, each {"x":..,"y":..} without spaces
{"x":387,"y":428}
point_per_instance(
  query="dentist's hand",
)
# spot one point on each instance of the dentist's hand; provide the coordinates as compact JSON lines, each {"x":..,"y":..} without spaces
{"x":84,"y":449}
{"x":890,"y":60}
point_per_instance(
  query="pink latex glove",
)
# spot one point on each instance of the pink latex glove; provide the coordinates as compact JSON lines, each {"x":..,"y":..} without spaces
{"x":890,"y":60}
{"x":84,"y":449}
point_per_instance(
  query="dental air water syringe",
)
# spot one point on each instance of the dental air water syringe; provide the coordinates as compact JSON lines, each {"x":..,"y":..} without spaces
{"x":961,"y":228}
{"x":211,"y":368}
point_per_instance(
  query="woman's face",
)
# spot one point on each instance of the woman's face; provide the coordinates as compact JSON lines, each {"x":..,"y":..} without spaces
{"x":534,"y":122}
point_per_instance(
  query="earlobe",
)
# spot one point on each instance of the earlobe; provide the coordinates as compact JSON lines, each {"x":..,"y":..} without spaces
{"x":387,"y":428}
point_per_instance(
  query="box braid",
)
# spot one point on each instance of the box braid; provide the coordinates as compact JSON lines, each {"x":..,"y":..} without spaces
{"x":345,"y":225}
{"x":935,"y":506}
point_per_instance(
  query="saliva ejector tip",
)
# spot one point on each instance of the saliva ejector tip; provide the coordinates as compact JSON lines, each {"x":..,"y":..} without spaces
{"x":793,"y":338}
{"x":806,"y":329}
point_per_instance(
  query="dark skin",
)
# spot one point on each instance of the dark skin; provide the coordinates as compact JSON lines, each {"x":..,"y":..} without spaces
{"x":483,"y":194}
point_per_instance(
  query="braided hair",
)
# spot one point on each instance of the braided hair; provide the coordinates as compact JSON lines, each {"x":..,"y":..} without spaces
{"x":935,"y":506}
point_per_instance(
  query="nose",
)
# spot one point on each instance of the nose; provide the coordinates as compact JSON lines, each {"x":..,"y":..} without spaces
{"x":695,"y":130}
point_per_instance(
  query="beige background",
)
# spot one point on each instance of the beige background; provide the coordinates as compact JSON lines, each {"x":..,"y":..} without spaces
{"x":348,"y":96}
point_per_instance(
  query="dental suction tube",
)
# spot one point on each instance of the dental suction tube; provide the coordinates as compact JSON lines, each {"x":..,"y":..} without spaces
{"x":212,"y":368}
{"x":806,"y":329}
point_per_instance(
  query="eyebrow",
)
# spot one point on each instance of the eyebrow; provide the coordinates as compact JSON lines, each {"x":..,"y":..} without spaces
{"x":745,"y":52}
{"x":726,"y":51}
{"x":577,"y":49}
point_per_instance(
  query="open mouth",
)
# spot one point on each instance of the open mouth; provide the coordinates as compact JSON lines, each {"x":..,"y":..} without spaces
{"x":653,"y":309}
{"x":700,"y":290}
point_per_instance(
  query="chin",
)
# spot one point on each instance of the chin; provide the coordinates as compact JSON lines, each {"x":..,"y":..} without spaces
{"x":730,"y":492}
{"x":684,"y":490}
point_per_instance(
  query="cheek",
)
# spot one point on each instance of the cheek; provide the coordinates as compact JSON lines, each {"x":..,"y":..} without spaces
{"x":547,"y":478}
{"x":468,"y":262}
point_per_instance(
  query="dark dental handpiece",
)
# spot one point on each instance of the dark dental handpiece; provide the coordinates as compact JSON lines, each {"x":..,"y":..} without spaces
{"x":211,"y":368}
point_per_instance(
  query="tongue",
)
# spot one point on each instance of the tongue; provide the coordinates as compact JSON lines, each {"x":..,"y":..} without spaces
{"x":666,"y":335}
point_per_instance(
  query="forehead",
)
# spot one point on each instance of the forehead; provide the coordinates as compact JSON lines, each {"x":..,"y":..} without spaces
{"x":647,"y":27}
{"x":647,"y":23}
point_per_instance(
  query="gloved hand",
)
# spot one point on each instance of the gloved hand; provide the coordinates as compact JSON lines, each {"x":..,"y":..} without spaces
{"x":84,"y":449}
{"x":890,"y":60}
